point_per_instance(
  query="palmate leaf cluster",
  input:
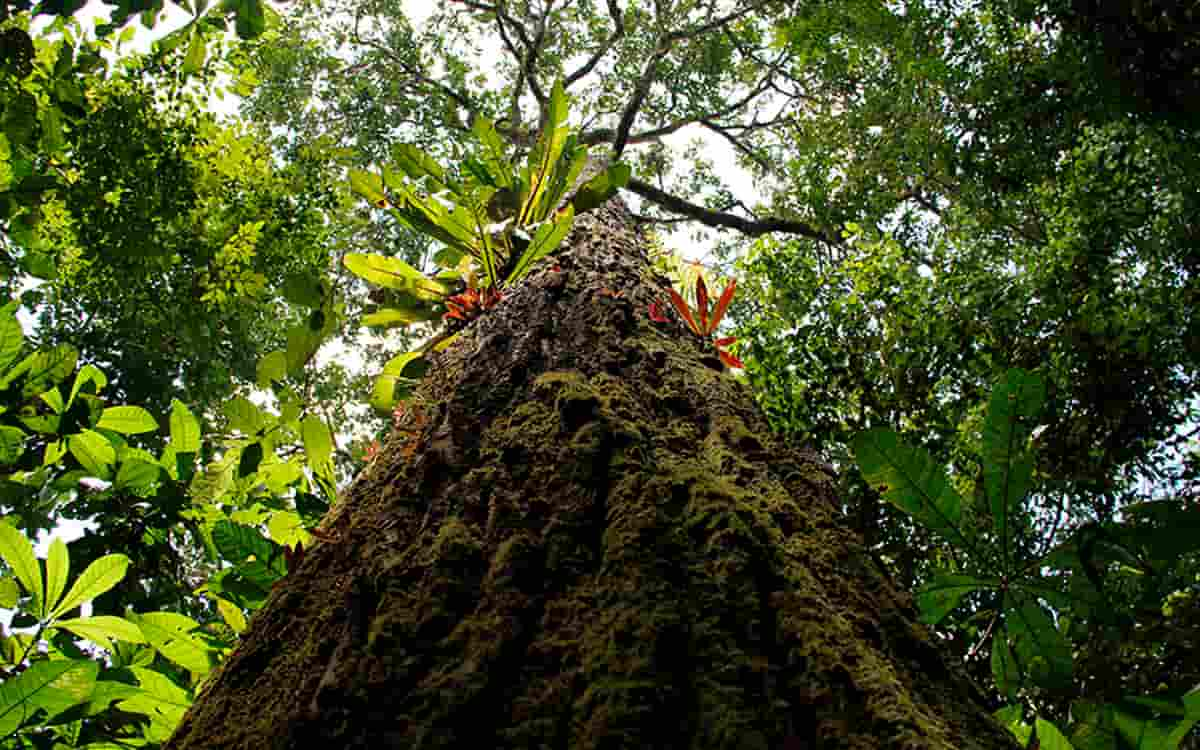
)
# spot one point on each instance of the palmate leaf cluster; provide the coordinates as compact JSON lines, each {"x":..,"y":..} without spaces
{"x":1032,"y":598}
{"x":494,"y":222}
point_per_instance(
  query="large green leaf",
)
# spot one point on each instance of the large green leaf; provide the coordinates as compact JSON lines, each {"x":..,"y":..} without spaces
{"x":244,"y":416}
{"x":94,"y":452}
{"x":237,"y":543}
{"x":937,"y":598}
{"x":369,"y":186}
{"x":137,"y":475}
{"x":399,"y":377}
{"x":127,"y":420}
{"x":170,"y":635}
{"x":910,"y":480}
{"x":545,"y":241}
{"x":100,"y":576}
{"x":393,"y":317}
{"x":48,"y":686}
{"x":1007,"y":462}
{"x":42,"y":370}
{"x":9,"y":593}
{"x":12,"y":444}
{"x":318,"y":443}
{"x":159,"y":699}
{"x":394,"y":273}
{"x":17,"y":551}
{"x":88,"y":375}
{"x":1042,"y":652}
{"x":103,"y":629}
{"x":536,"y":204}
{"x":272,"y":368}
{"x":494,"y":152}
{"x":58,"y":570}
{"x":185,"y":429}
{"x":418,"y":165}
{"x":11,"y":340}
{"x":1005,"y":670}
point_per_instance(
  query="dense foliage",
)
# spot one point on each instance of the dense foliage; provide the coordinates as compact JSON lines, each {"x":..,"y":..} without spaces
{"x":967,"y":276}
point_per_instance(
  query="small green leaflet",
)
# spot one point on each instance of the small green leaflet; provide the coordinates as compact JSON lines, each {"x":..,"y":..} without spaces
{"x":272,"y":368}
{"x":318,"y":443}
{"x":12,"y":444}
{"x":58,"y":568}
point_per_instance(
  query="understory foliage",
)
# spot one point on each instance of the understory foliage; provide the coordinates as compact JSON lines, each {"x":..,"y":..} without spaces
{"x":967,"y":275}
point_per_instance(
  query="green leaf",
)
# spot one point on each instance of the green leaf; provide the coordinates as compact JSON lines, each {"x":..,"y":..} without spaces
{"x":393,"y":317}
{"x":42,"y":370}
{"x":417,"y":164}
{"x":1049,"y":738}
{"x":100,"y":576}
{"x":937,"y":598}
{"x":302,"y":343}
{"x":1007,"y":464}
{"x":537,"y":176}
{"x":1005,"y":671}
{"x":407,"y":365}
{"x":272,"y":368}
{"x":18,"y":553}
{"x":232,"y":614}
{"x":49,"y":686}
{"x":127,"y":420}
{"x":598,"y":190}
{"x":103,"y":629}
{"x":318,"y":443}
{"x":9,"y":593}
{"x":303,"y":289}
{"x":58,"y":569}
{"x":1041,"y":650}
{"x":494,"y":152}
{"x":170,"y":635}
{"x":12,"y":444}
{"x":137,"y":475}
{"x":185,"y":429}
{"x":545,"y":241}
{"x":87,"y":375}
{"x":393,"y":273}
{"x":369,"y":186}
{"x":244,"y":416}
{"x":910,"y":480}
{"x":194,"y":61}
{"x":159,"y":699}
{"x":11,"y":339}
{"x":238,"y":543}
{"x":249,"y":460}
{"x":94,"y":452}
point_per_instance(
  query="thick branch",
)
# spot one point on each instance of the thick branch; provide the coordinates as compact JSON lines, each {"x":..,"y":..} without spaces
{"x":708,"y":217}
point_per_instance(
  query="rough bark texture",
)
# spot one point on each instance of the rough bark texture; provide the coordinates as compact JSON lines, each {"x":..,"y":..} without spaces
{"x":592,"y":541}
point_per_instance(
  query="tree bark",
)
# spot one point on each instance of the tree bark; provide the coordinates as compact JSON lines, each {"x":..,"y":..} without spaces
{"x":588,"y":539}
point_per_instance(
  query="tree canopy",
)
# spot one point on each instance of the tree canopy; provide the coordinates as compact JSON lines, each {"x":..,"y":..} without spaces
{"x":968,"y":256}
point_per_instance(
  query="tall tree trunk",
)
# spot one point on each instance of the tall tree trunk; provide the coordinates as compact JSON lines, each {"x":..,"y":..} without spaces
{"x":591,"y":541}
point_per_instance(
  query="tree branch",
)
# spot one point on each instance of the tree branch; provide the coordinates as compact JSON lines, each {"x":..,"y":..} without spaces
{"x":711,"y":218}
{"x":618,"y":31}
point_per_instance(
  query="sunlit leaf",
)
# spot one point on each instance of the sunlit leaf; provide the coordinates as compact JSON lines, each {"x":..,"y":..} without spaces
{"x":394,"y":273}
{"x":17,"y":551}
{"x":51,"y":686}
{"x":318,"y":443}
{"x":58,"y":568}
{"x":100,"y":576}
{"x":185,"y":429}
{"x":127,"y":420}
{"x":103,"y":629}
{"x":160,"y":700}
{"x":170,"y":635}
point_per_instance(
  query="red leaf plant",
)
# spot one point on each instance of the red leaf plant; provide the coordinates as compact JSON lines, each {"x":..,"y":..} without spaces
{"x":701,"y":321}
{"x":469,"y":304}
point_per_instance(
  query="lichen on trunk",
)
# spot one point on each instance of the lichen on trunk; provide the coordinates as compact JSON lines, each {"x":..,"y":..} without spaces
{"x":590,"y":540}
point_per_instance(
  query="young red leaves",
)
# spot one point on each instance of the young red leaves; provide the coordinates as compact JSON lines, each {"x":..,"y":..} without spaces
{"x":468,"y":305}
{"x":702,"y":322}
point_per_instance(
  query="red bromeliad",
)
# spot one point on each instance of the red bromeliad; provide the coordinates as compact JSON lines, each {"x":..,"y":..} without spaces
{"x":469,"y":304}
{"x":703,"y":323}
